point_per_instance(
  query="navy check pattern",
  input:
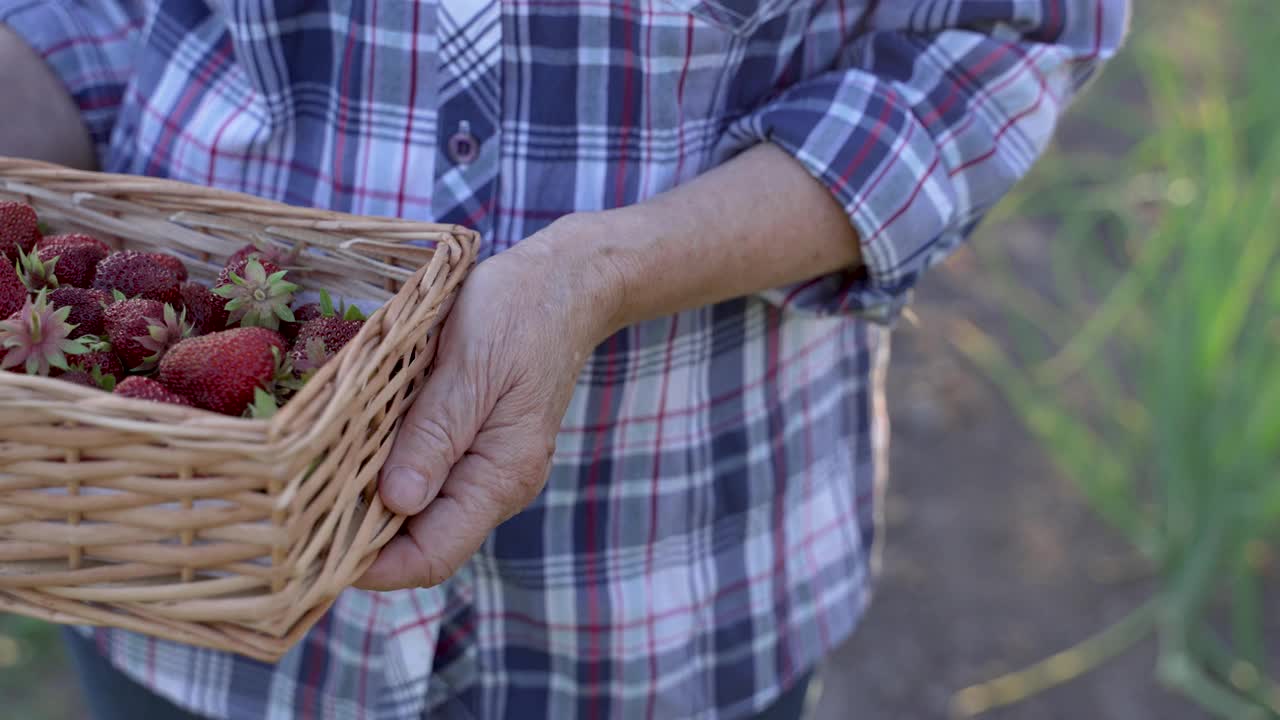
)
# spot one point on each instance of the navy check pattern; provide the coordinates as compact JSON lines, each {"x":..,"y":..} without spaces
{"x":710,"y":528}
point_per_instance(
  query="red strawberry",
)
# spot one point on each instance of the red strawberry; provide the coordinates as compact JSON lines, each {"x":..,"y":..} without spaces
{"x":75,"y":240}
{"x":127,"y":323}
{"x":206,"y":312}
{"x":222,"y":371}
{"x":173,"y":264}
{"x":257,"y":295}
{"x":163,"y":334}
{"x":137,"y":274}
{"x":13,"y":294}
{"x":100,"y":359}
{"x":271,"y":254}
{"x":144,"y":388}
{"x":79,"y":377}
{"x":319,"y":340}
{"x":269,"y":267}
{"x":19,"y":229}
{"x":300,"y":317}
{"x":243,"y":254}
{"x":307,"y":312}
{"x":55,"y":264}
{"x":86,"y":308}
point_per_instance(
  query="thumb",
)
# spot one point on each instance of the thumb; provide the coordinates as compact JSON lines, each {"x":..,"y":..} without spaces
{"x":434,"y":435}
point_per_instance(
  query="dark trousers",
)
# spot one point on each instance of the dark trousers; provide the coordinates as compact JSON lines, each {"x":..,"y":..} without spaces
{"x":110,"y":695}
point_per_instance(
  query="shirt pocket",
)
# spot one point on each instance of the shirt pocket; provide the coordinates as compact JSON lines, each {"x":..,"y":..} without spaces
{"x":739,"y":17}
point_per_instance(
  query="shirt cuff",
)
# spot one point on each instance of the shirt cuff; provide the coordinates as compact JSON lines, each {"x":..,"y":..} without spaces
{"x":884,"y":169}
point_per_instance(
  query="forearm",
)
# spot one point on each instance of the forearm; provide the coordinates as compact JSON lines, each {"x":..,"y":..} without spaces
{"x":41,"y":121}
{"x":757,"y":222}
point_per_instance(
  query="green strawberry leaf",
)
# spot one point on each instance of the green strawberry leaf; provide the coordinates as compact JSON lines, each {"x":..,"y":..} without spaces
{"x":294,"y":383}
{"x":264,"y":405}
{"x":74,"y":347}
{"x":106,"y":382}
{"x":326,"y":304}
{"x":255,"y":273}
{"x":94,"y":342}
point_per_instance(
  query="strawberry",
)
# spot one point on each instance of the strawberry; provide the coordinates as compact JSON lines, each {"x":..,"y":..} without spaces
{"x":162,"y":334}
{"x":79,"y":377}
{"x":319,"y":339}
{"x":174,"y":265}
{"x":127,"y":323}
{"x":310,"y":311}
{"x":143,"y":388}
{"x":75,"y":240}
{"x":19,"y":229}
{"x":243,"y":254}
{"x":38,"y":338}
{"x":271,"y":254}
{"x":257,"y":294}
{"x":301,"y":316}
{"x":99,"y":362}
{"x":222,"y":371}
{"x":206,"y":311}
{"x":13,"y":294}
{"x":63,"y":260}
{"x":86,"y":308}
{"x":269,"y":267}
{"x":137,"y":274}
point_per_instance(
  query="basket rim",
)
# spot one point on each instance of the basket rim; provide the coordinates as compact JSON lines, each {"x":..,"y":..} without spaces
{"x":175,"y":187}
{"x":460,"y":243}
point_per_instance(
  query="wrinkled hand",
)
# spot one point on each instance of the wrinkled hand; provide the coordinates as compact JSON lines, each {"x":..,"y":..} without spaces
{"x":475,"y":448}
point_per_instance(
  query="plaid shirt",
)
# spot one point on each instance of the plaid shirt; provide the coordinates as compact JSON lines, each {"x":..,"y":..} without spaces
{"x":709,"y":530}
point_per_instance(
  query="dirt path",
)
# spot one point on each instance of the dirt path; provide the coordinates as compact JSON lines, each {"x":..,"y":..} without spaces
{"x":992,"y":560}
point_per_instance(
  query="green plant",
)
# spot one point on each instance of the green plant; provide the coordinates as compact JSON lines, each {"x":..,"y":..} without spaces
{"x":1164,"y":405}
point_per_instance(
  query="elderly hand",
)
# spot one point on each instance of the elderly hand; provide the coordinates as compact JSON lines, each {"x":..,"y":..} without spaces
{"x":476,"y":446}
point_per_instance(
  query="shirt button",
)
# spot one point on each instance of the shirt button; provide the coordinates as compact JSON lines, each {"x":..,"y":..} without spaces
{"x":463,"y":146}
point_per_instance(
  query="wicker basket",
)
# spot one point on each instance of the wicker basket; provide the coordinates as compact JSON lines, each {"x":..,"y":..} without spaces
{"x":222,"y":532}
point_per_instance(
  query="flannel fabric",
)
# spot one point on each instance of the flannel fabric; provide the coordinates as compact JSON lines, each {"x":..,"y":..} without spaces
{"x":709,"y":530}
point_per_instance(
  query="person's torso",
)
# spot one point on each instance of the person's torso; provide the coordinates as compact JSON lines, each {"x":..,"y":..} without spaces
{"x":708,"y":523}
{"x":498,"y":115}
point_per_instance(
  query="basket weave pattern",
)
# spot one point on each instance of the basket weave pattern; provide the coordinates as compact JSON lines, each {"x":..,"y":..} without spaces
{"x":223,"y":532}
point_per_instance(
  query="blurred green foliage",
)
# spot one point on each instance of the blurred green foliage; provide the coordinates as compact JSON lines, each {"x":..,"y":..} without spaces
{"x":34,"y":681}
{"x":1151,"y":370}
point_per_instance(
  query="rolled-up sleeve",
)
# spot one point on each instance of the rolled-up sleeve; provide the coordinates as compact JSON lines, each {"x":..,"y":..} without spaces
{"x":928,"y":120}
{"x":89,"y":45}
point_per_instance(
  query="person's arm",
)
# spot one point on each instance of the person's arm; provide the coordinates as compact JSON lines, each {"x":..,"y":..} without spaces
{"x":755,"y":223}
{"x":928,"y":119}
{"x":476,"y":446}
{"x":42,"y":122}
{"x":64,"y":65}
{"x":880,"y":166}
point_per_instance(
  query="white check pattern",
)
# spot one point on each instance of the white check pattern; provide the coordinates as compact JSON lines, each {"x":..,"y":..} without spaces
{"x":709,"y":530}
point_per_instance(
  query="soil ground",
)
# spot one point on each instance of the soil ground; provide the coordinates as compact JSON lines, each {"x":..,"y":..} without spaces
{"x":992,"y":560}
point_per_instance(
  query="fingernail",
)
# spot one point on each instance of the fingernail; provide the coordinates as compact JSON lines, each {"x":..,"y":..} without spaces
{"x":404,"y":490}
